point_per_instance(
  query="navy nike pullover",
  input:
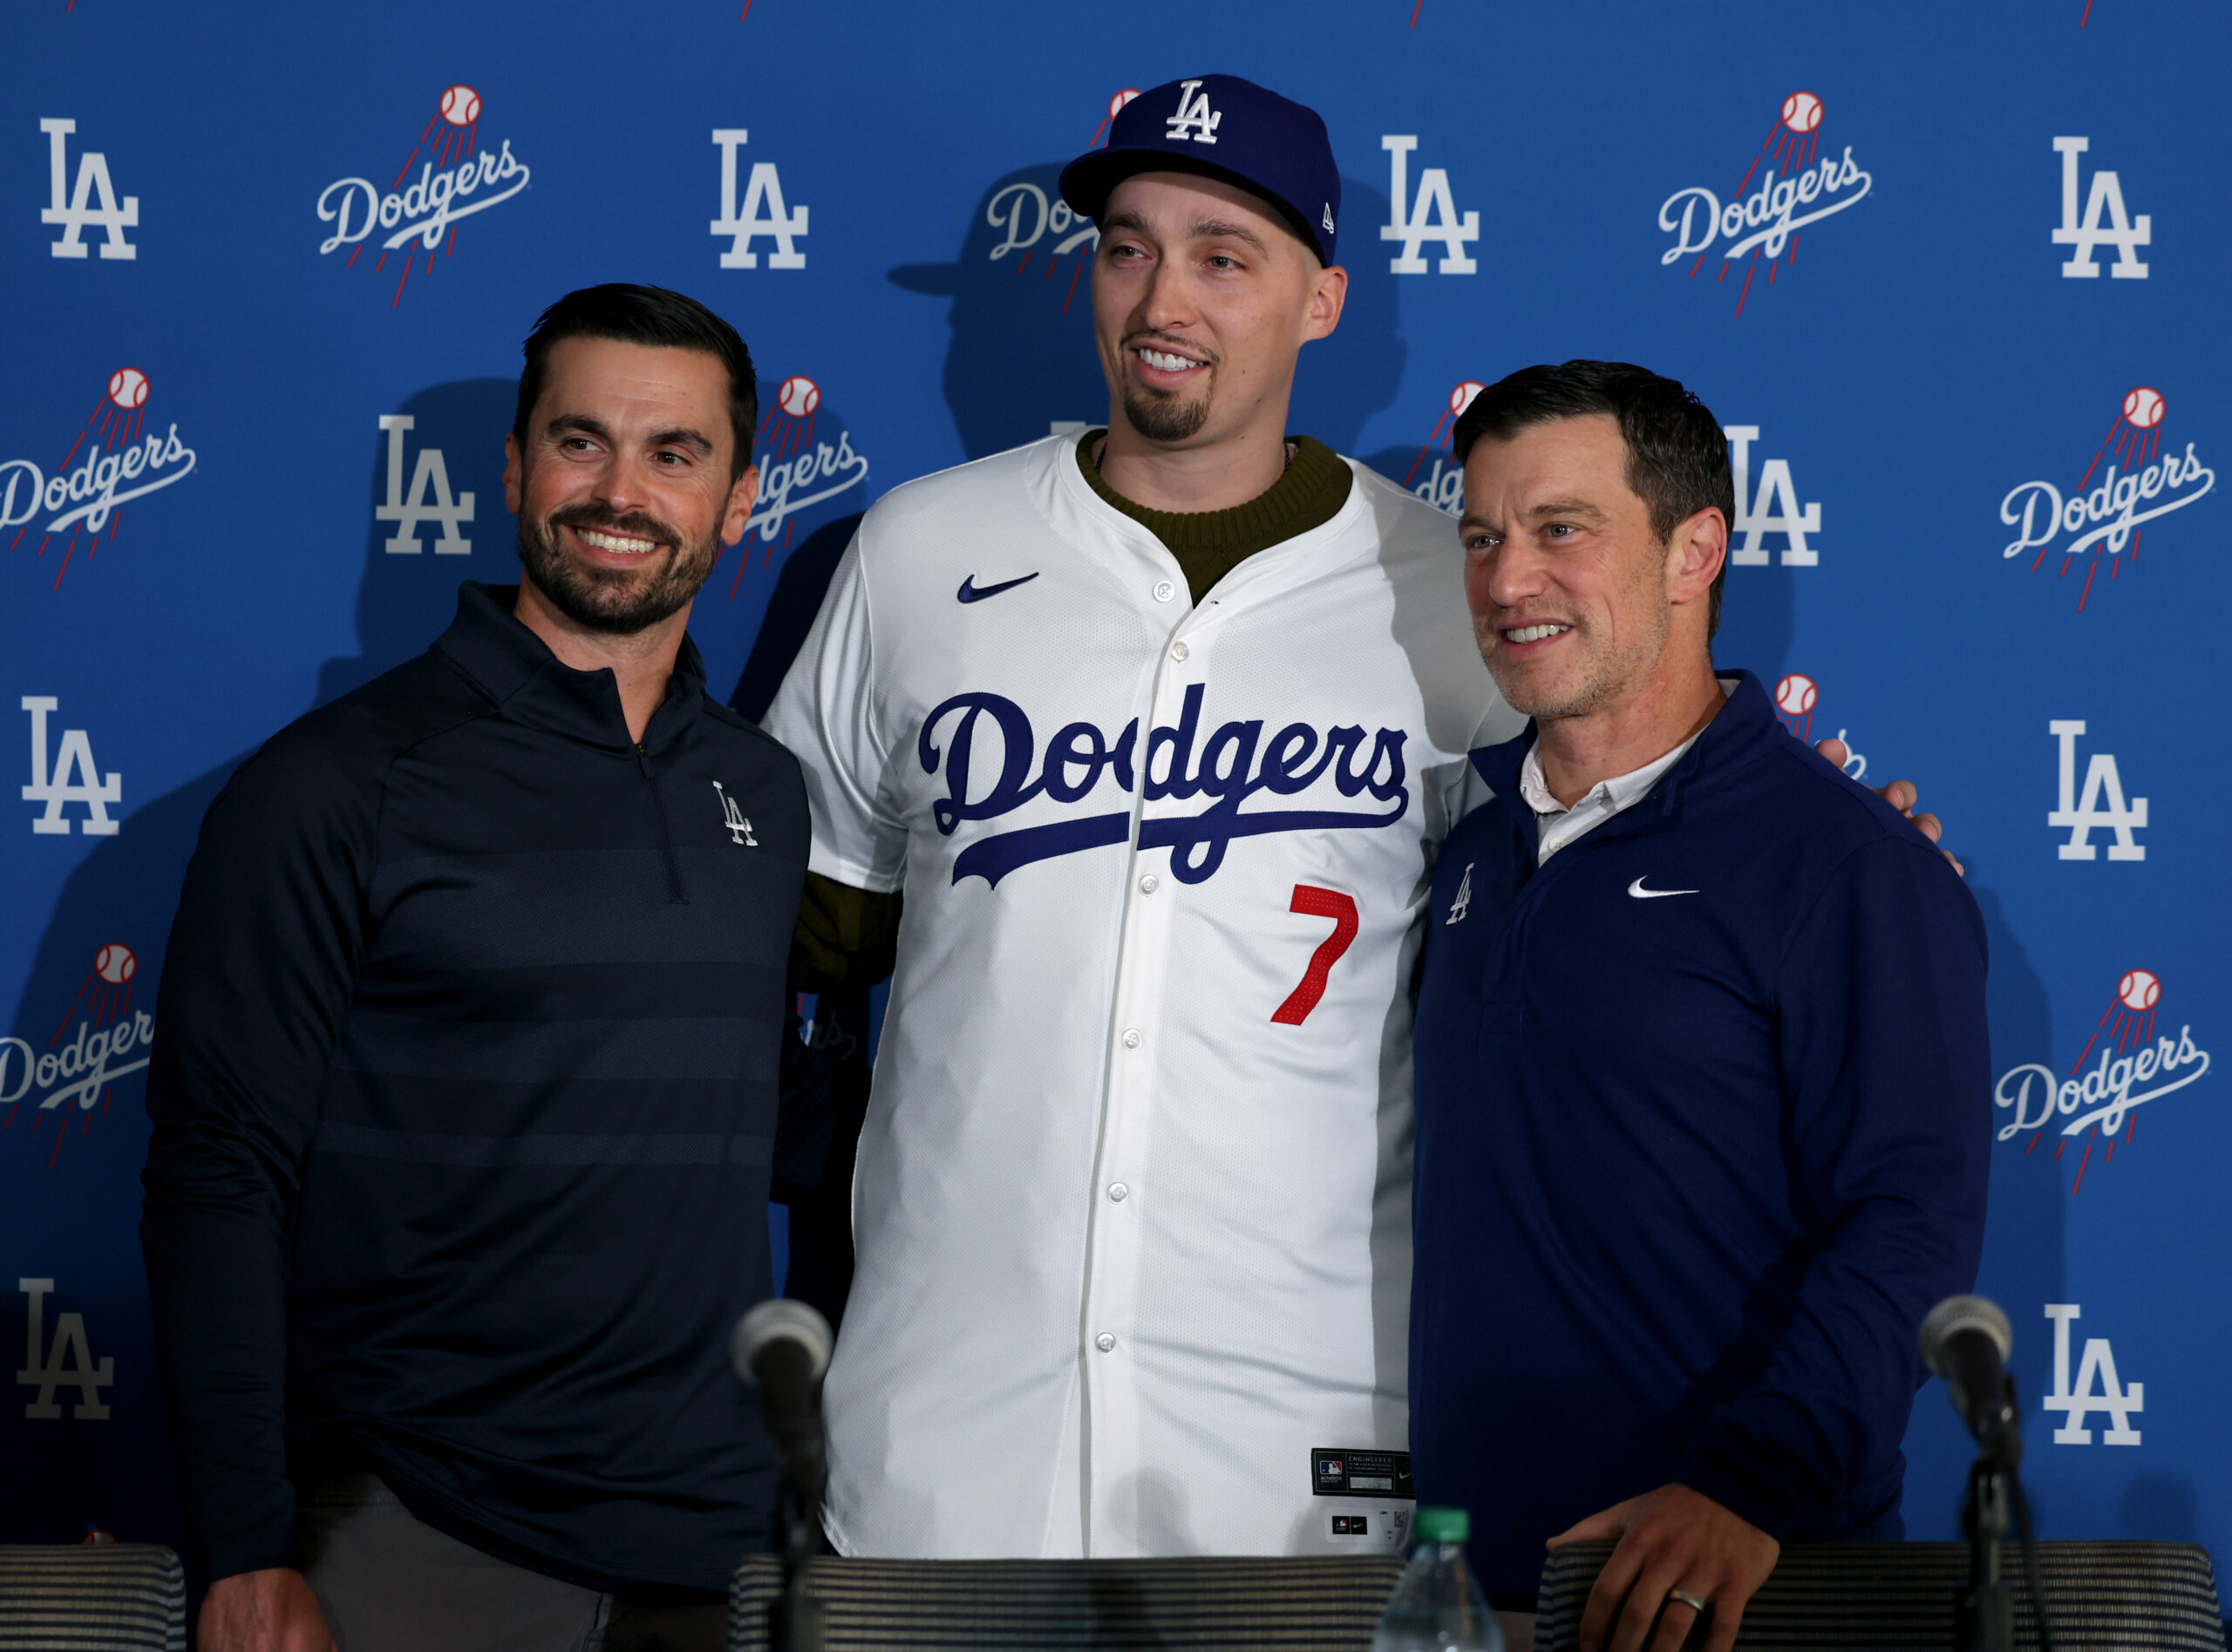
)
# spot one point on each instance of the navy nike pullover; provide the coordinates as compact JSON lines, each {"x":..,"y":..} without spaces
{"x":1703,"y":1114}
{"x":464,"y":1091}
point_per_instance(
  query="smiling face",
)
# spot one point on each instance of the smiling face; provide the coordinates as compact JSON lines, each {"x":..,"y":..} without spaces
{"x":623,"y":492}
{"x":1202,"y":299}
{"x":1575,"y":599}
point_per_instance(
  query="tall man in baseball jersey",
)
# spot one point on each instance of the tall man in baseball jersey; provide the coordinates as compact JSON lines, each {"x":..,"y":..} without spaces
{"x":1159,"y":729}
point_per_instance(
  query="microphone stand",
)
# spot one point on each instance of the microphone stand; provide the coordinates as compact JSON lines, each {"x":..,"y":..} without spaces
{"x":796,"y":1625}
{"x":1985,"y":1611}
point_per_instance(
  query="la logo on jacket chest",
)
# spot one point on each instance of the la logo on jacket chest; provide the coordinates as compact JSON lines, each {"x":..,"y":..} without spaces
{"x":733,"y":818}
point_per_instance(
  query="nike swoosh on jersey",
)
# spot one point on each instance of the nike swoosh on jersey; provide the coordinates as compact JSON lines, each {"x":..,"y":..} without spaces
{"x":970,"y":592}
{"x":1642,"y":893}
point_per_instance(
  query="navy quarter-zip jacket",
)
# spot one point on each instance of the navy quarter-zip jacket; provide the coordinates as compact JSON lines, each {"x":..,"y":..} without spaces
{"x":1703,"y":1114}
{"x":464,"y":1092}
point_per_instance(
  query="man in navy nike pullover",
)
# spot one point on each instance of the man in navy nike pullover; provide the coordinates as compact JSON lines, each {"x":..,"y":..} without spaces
{"x":465,"y":1093}
{"x":1704,"y":1097}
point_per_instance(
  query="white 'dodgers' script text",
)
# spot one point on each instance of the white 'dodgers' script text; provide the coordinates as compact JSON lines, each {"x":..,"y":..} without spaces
{"x":89,"y":493}
{"x":78,"y":1071}
{"x":1695,"y":219}
{"x":355,"y":207}
{"x":2107,"y":1091}
{"x":2039,"y":513}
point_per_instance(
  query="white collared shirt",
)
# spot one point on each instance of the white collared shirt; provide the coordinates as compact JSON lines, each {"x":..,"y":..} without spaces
{"x":1556,"y":825}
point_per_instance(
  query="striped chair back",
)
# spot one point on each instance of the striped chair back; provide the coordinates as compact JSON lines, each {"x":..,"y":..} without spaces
{"x":120,"y":1597}
{"x":1878,"y":1597}
{"x":1048,"y":1606}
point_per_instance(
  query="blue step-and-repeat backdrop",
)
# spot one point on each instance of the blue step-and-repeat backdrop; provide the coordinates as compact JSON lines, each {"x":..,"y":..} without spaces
{"x":1953,"y":276}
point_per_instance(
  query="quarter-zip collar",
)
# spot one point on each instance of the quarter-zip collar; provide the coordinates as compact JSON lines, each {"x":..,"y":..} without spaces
{"x":516,"y":668}
{"x":1745,"y":723}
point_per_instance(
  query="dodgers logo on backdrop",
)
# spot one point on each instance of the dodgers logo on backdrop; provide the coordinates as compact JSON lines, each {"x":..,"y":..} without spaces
{"x":1230,"y":769}
{"x":2125,"y":1064}
{"x":2143,"y":478}
{"x":796,"y":471}
{"x":1443,"y":486}
{"x":2121,"y":232}
{"x":1025,"y":215}
{"x":80,"y":500}
{"x":457,"y":178}
{"x":94,"y":204}
{"x":1796,"y":696}
{"x":1798,"y":186}
{"x":99,"y":1039}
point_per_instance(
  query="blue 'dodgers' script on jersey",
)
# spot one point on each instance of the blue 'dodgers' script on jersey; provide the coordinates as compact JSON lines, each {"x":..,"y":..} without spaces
{"x":1234,"y":765}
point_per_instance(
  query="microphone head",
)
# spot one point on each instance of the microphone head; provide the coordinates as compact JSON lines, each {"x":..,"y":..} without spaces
{"x":1958,"y":1313}
{"x":781,"y":1319}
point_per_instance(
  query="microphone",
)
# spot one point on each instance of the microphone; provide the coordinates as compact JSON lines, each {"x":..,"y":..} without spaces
{"x":1966,"y":1340}
{"x":782,"y":1349}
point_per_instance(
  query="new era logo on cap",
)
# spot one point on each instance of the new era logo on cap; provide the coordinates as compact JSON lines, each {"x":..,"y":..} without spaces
{"x":1225,"y":127}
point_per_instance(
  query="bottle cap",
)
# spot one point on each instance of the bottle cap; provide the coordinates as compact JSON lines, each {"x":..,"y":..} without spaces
{"x":1442,"y":1526}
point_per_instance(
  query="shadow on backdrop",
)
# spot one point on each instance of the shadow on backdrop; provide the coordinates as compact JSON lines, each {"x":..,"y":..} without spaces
{"x":1021,"y":357}
{"x":74,"y":1201}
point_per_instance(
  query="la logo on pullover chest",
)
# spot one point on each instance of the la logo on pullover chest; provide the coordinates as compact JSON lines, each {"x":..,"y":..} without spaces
{"x":733,"y":818}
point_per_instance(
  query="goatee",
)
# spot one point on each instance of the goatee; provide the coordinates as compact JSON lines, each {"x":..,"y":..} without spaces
{"x":1162,"y":417}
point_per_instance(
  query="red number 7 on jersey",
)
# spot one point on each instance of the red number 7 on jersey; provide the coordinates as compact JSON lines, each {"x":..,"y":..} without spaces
{"x":1318,"y":903}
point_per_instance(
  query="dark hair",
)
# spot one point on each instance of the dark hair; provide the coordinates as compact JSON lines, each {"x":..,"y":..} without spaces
{"x":1678,"y":459}
{"x":643,"y":316}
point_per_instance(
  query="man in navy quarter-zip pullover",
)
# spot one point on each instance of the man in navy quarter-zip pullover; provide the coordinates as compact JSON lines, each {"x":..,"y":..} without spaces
{"x":465,"y":1087}
{"x":1704,"y":1097}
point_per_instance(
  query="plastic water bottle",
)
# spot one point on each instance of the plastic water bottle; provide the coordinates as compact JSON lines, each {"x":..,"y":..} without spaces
{"x":1438,"y":1607}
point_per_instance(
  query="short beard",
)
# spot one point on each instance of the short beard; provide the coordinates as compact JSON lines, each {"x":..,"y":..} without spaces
{"x":1162,"y":417}
{"x":613,"y":601}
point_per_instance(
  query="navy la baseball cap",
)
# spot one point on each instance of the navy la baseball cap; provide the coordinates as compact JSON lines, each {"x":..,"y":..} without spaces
{"x":1225,"y":127}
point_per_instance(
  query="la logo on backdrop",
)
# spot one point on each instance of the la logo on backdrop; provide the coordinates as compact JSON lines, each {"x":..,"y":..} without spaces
{"x":113,"y":459}
{"x":1798,"y":184}
{"x":98,"y":1039}
{"x":457,"y":178}
{"x":2134,"y":477}
{"x":2098,"y":1100}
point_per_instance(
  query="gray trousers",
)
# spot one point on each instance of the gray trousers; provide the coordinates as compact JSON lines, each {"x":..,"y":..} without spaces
{"x":389,"y":1582}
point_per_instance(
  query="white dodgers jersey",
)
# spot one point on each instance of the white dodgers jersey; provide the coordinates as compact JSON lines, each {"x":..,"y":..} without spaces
{"x":1132,"y":1207}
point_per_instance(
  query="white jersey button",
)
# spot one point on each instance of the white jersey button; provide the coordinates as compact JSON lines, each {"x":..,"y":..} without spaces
{"x":1164,"y":590}
{"x":1149,"y":884}
{"x":1106,"y":1343}
{"x":1178,"y":651}
{"x":1118,"y":1192}
{"x":1131,"y":1038}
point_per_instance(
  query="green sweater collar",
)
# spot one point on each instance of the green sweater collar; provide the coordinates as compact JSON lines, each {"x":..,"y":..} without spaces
{"x":1210,"y":544}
